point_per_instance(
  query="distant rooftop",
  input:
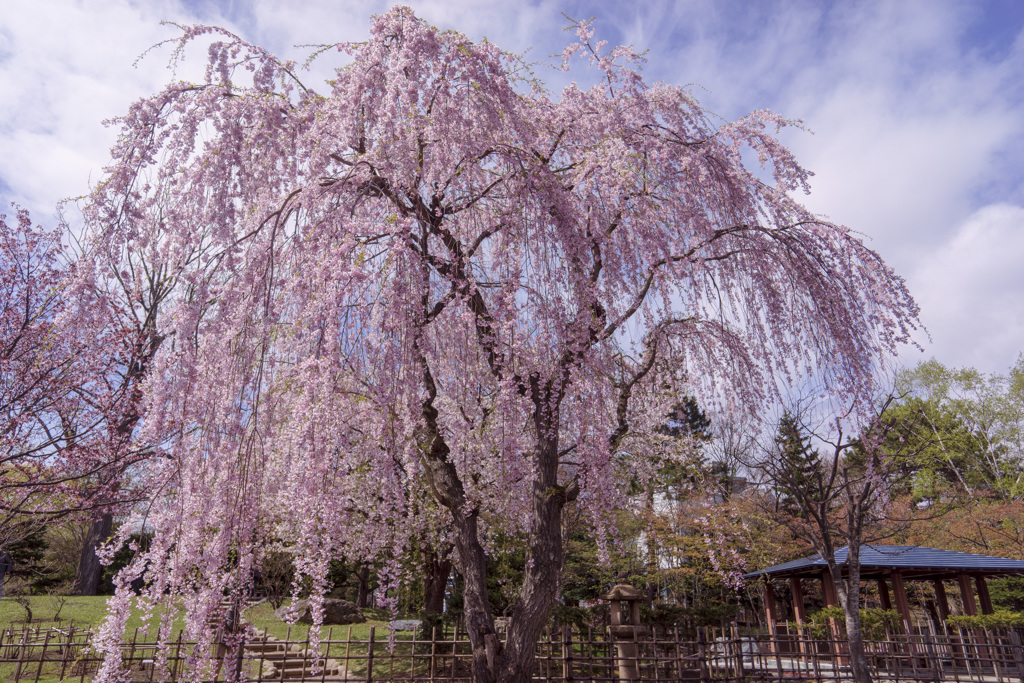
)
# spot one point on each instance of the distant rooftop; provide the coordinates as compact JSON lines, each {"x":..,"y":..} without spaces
{"x":913,"y":562}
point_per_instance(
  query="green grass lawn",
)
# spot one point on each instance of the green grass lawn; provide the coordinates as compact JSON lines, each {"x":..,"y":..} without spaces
{"x":77,"y":611}
{"x":84,"y":612}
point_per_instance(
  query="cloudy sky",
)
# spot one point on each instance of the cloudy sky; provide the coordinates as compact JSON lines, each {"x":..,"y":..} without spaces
{"x":915,"y":111}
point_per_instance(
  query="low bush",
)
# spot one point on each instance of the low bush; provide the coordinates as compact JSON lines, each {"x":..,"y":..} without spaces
{"x":1001,"y":618}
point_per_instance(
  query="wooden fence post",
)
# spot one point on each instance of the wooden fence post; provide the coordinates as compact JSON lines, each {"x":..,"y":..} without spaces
{"x":933,"y":652}
{"x":21,"y":653}
{"x":177,"y":658}
{"x":433,"y":652}
{"x":65,"y":650}
{"x":42,"y":654}
{"x":737,"y":648}
{"x":369,"y":655}
{"x":566,"y":652}
{"x":636,"y":653}
{"x":679,"y":656}
{"x":1018,"y":655}
{"x":702,"y":655}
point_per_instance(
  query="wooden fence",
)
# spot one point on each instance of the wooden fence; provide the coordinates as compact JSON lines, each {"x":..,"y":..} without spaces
{"x":714,"y":655}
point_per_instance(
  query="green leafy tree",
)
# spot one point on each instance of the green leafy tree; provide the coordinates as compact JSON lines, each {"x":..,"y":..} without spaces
{"x":965,"y":430}
{"x":685,"y":431}
{"x":973,"y":424}
{"x":946,"y":450}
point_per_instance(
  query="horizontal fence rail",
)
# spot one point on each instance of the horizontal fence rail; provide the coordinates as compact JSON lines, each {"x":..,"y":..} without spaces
{"x":712,"y":654}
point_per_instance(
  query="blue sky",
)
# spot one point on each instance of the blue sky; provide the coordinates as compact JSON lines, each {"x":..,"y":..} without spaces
{"x":916,"y":108}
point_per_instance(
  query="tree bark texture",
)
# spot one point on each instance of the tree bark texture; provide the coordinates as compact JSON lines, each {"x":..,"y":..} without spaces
{"x":435,"y":580}
{"x":539,"y":592}
{"x":476,"y":603}
{"x":513,"y":662}
{"x":848,"y":589}
{"x":90,"y":571}
{"x":363,"y":593}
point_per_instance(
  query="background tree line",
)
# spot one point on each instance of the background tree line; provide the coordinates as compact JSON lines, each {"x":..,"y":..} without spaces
{"x":953,"y":481}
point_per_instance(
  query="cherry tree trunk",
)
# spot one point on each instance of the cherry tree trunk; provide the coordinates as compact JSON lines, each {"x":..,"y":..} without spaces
{"x":476,"y":604}
{"x":542,"y":577}
{"x":514,"y":662}
{"x":363,"y":593}
{"x":849,"y":598}
{"x":539,"y":593}
{"x":439,"y":568}
{"x":858,"y":658}
{"x":90,"y":571}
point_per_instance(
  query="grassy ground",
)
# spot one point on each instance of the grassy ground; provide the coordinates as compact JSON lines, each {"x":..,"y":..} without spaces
{"x":262,"y":616}
{"x":83,"y":612}
{"x":50,"y":611}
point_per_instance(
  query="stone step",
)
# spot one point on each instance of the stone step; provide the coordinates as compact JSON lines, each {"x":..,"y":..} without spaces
{"x":276,"y":656}
{"x":281,"y":662}
{"x":265,"y":648}
{"x":305,"y":670}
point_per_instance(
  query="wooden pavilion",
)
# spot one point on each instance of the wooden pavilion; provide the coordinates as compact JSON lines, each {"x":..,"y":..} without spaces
{"x":893,"y":565}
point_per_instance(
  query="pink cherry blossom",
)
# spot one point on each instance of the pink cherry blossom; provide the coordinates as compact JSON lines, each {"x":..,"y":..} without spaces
{"x":434,"y":298}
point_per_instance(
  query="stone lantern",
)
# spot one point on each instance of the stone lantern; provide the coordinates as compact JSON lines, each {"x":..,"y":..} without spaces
{"x":625,"y":634}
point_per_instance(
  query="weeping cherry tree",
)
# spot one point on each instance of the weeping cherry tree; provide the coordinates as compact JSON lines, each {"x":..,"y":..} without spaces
{"x":434,"y":295}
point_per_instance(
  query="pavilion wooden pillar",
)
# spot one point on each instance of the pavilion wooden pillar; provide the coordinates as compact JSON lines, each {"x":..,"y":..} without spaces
{"x":941,"y":600}
{"x":771,"y":615}
{"x":828,"y":589}
{"x":902,"y":606}
{"x":971,"y":609}
{"x":884,"y":597}
{"x":967,"y":594}
{"x":983,"y":596}
{"x":798,"y":610}
{"x":883,"y":593}
{"x":798,"y":599}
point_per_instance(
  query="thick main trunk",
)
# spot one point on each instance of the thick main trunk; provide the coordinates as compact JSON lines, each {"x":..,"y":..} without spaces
{"x":435,"y":580}
{"x":540,"y":589}
{"x":492,"y":662}
{"x":363,"y":592}
{"x":472,"y":560}
{"x":543,"y":574}
{"x":512,"y":663}
{"x":90,"y":571}
{"x":476,"y":603}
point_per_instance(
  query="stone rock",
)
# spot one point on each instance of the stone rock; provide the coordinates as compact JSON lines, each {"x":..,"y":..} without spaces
{"x":406,"y":624}
{"x":335,"y":612}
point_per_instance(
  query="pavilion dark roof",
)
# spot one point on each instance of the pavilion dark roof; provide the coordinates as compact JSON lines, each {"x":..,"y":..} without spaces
{"x":913,"y":562}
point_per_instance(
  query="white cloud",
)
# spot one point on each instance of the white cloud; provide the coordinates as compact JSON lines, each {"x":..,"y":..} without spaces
{"x":64,"y":68}
{"x":902,"y":177}
{"x":917,"y":124}
{"x":971,"y":290}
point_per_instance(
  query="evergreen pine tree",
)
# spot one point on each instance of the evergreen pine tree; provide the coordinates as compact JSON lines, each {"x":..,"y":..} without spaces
{"x":799,"y":468}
